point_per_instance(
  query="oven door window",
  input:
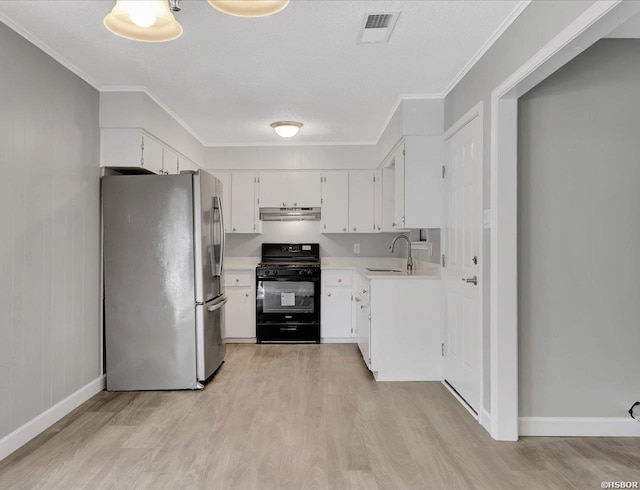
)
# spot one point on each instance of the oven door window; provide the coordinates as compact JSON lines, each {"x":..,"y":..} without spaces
{"x":287,"y":296}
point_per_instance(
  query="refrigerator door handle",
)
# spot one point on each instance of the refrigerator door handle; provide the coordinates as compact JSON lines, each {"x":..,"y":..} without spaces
{"x":216,"y":262}
{"x":223,"y":237}
{"x":217,"y":304}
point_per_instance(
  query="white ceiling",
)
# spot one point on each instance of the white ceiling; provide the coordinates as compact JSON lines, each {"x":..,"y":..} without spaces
{"x":228,"y":78}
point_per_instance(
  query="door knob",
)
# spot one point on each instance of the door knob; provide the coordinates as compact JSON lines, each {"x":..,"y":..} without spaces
{"x":472,"y":280}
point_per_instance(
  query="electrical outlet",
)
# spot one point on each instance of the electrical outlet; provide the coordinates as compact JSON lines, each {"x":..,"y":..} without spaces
{"x":356,"y":248}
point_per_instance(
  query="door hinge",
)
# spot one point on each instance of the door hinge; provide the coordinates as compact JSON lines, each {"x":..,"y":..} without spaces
{"x":321,"y":201}
{"x":443,"y":261}
{"x":444,"y":171}
{"x":258,"y":200}
{"x":374,"y":178}
{"x":404,"y":152}
{"x":443,"y":350}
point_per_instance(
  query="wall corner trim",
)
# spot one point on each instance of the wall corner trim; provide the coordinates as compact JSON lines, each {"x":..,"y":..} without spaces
{"x":579,"y":426}
{"x":39,"y":424}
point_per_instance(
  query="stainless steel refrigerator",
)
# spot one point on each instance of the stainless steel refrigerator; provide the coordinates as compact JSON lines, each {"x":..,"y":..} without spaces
{"x":164,"y":299}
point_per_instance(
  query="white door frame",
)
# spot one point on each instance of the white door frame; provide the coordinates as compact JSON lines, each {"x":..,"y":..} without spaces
{"x":476,"y":111}
{"x":597,"y":21}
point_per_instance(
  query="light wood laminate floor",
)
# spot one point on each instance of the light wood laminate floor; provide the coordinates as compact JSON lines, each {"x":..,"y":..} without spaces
{"x":301,"y":417}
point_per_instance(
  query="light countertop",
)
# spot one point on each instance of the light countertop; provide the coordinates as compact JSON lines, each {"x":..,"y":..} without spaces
{"x":422,"y":270}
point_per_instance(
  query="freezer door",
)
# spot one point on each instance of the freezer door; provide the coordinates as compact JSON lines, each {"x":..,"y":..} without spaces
{"x":148,"y":282}
{"x":210,"y":346}
{"x":209,"y":237}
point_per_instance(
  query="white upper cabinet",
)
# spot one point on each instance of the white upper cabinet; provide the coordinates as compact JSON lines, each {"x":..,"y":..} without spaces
{"x":275,"y":189}
{"x":399,"y":177}
{"x":169,"y":162}
{"x":305,"y":189}
{"x":186,"y":164}
{"x":225,"y":178}
{"x":244,"y":203}
{"x":377,"y":201}
{"x":388,"y":199}
{"x":361,"y":201}
{"x":130,"y":148}
{"x":289,"y":189}
{"x":335,"y":202}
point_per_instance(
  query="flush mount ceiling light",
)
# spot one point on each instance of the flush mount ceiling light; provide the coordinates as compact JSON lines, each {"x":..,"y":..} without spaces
{"x":249,"y":8}
{"x":143,"y":20}
{"x":286,"y":129}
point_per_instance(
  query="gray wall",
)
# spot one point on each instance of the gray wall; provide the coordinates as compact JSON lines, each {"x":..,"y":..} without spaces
{"x":535,"y":27}
{"x":49,"y":248}
{"x":579,"y":205}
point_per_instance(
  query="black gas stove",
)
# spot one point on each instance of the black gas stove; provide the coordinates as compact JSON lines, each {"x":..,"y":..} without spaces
{"x":288,"y":293}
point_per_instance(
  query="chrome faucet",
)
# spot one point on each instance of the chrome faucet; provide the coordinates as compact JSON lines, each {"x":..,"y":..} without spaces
{"x":409,"y":259}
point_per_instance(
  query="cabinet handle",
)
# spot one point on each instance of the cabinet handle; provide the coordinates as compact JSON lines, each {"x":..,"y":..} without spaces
{"x":237,"y":280}
{"x":284,"y":204}
{"x":378,"y":228}
{"x":295,"y":203}
{"x":364,"y":291}
{"x":325,"y":227}
{"x":393,"y":224}
{"x":234,"y":229}
{"x":328,"y":294}
{"x":354,"y":229}
{"x":357,"y":299}
{"x":339,"y":280}
{"x":362,"y":307}
{"x":247,"y":295}
{"x":344,"y":229}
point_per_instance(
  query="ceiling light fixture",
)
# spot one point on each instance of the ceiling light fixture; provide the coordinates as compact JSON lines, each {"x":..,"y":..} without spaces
{"x":286,"y":129}
{"x":249,"y":8}
{"x":143,"y":20}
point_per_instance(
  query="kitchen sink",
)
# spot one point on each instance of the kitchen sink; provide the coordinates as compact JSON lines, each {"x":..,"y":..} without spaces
{"x":384,"y":270}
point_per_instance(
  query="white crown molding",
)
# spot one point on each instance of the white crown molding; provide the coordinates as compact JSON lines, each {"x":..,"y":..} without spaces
{"x":104,"y":88}
{"x":48,"y":50}
{"x":158,"y":101}
{"x":487,"y":45}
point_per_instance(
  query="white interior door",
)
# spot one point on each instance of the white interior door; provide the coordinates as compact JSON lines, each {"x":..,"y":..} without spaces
{"x":462,"y":247}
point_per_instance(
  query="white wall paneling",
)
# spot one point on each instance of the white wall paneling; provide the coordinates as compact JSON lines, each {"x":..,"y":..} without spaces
{"x":50,"y":339}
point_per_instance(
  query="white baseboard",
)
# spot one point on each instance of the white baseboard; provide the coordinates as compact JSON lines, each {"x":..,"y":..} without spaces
{"x":339,"y":340}
{"x":31,"y":429}
{"x":240,"y":340}
{"x":579,"y":426}
{"x":485,"y":420}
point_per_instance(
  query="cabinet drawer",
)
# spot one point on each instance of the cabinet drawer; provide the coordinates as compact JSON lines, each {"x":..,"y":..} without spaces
{"x":232,"y":279}
{"x":336,"y":278}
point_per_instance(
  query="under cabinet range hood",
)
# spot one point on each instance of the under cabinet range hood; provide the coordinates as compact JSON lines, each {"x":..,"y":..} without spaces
{"x":290,"y":214}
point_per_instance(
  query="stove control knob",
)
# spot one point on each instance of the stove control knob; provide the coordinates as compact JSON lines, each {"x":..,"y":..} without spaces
{"x":275,"y":273}
{"x":309,"y":272}
{"x":301,"y":273}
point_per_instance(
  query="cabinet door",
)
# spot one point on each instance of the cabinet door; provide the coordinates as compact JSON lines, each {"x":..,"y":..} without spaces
{"x":398,"y":216}
{"x":151,"y":155}
{"x":388,"y":199}
{"x":305,"y":189}
{"x":240,"y":320}
{"x":120,"y":148}
{"x":377,"y":201}
{"x":361,"y":202}
{"x":243,"y":201}
{"x":335,"y":202}
{"x":275,"y":189}
{"x":363,"y":327}
{"x":186,"y":164}
{"x":225,"y":178}
{"x":169,"y":162}
{"x":335,"y":316}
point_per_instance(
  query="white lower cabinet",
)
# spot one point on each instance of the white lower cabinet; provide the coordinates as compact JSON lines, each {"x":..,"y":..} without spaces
{"x":335,"y":307}
{"x":240,"y":310}
{"x":399,"y":328}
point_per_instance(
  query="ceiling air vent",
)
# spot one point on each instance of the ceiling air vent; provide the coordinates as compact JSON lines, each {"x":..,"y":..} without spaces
{"x":377,"y":28}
